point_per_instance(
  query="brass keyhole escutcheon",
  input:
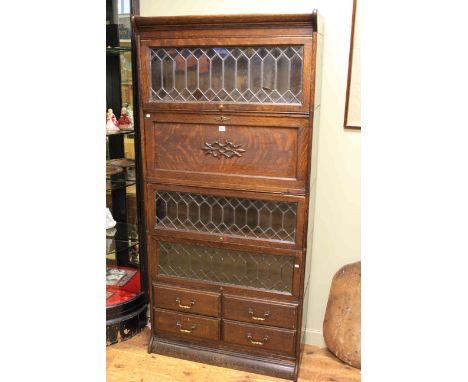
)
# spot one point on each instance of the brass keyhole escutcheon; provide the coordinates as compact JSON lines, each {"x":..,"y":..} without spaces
{"x":221,"y":118}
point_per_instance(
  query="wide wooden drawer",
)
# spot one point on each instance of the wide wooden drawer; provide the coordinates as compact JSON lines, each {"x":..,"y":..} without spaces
{"x":260,"y":337}
{"x":186,"y":300}
{"x":245,"y":154}
{"x":261,"y":312}
{"x":186,"y":325}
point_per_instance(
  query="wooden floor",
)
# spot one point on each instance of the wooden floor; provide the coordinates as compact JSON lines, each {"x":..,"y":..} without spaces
{"x":129,"y":362}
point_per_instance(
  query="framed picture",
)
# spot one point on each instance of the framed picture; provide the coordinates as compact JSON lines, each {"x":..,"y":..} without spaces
{"x":352,"y":117}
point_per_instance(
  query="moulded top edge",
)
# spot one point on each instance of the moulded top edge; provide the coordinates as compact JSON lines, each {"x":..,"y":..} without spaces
{"x":148,"y":23}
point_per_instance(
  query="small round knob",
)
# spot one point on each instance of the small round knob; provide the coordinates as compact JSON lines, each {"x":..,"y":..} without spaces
{"x":221,"y":107}
{"x":221,"y":238}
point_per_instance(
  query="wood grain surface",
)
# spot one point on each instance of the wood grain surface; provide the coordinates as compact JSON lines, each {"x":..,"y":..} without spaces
{"x":266,"y":151}
{"x":129,"y":361}
{"x":186,"y":300}
{"x":274,"y":157}
{"x":186,"y":325}
{"x":266,"y":338}
{"x":271,"y":161}
{"x":261,"y":312}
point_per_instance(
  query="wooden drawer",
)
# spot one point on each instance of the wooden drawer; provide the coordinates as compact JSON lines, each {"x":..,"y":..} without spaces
{"x":243,"y":152}
{"x":186,"y":300}
{"x":261,"y":312}
{"x":260,"y":337}
{"x":186,"y":325}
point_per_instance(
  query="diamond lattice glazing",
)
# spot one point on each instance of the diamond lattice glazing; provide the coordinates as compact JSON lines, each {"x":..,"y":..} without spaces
{"x":254,"y":270}
{"x":262,"y":75}
{"x":263,"y":219}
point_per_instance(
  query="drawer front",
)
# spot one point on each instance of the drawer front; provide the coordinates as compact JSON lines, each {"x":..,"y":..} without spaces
{"x":260,"y":312}
{"x":240,"y":155}
{"x":260,"y":337}
{"x":185,"y":300}
{"x":186,"y":325}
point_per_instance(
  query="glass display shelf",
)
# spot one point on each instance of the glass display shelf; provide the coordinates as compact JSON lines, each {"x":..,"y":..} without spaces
{"x":118,"y":177}
{"x":112,"y":185}
{"x":123,"y":229}
{"x":120,"y":132}
{"x":116,"y":296}
{"x":114,"y":245}
{"x":125,"y":163}
{"x":117,"y":49}
{"x":126,"y":299}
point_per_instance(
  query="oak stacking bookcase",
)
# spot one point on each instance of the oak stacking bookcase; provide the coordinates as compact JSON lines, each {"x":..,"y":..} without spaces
{"x":228,"y":105}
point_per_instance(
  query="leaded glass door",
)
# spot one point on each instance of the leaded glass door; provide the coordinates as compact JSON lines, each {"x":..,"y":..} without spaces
{"x":270,"y":76}
{"x":234,"y":217}
{"x":215,"y":265}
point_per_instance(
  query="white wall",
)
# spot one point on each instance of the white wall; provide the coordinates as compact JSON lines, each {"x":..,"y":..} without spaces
{"x":334,"y":237}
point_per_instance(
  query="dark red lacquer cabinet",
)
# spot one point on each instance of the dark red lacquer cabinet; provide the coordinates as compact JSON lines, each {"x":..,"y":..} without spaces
{"x":227,"y":105}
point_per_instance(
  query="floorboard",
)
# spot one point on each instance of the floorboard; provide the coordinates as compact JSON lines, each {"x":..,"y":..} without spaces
{"x":129,"y":362}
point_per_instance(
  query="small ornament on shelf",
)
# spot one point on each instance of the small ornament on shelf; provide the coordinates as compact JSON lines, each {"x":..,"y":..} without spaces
{"x":125,"y":122}
{"x":130,"y":116}
{"x":112,"y":125}
{"x":129,"y":112}
{"x":134,"y":255}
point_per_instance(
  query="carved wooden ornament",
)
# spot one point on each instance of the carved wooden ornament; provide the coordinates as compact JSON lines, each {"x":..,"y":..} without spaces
{"x":226,"y":148}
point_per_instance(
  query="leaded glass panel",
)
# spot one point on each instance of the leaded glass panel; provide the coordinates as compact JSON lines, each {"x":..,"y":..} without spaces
{"x":263,"y":219}
{"x":262,"y":75}
{"x":219,"y":265}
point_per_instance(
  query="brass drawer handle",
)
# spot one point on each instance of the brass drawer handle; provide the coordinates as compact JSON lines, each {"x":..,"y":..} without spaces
{"x":265,"y":316}
{"x":192,"y":303}
{"x":253,"y":342}
{"x":192,"y":328}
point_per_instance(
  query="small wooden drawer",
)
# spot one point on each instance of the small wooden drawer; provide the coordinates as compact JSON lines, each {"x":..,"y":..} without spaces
{"x":186,"y":325}
{"x":261,"y":312}
{"x":260,"y":337}
{"x":186,"y":300}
